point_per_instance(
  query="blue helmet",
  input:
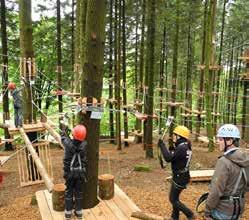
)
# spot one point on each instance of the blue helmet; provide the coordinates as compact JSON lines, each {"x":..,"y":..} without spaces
{"x":228,"y":130}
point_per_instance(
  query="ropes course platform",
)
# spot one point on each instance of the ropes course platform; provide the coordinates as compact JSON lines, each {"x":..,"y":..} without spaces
{"x":120,"y":207}
{"x":28,"y":128}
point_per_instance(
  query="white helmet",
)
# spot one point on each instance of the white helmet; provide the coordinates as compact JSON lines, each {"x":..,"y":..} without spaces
{"x":228,"y":130}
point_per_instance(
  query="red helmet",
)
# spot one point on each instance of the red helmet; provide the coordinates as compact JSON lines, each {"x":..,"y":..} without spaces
{"x":79,"y":132}
{"x":11,"y":86}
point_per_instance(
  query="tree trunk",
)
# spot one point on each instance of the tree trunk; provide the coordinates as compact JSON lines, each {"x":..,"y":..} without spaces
{"x":83,"y":18}
{"x":126,"y":144}
{"x":141,"y":72}
{"x":200,"y":99}
{"x":117,"y":74}
{"x":149,"y":77}
{"x":209,"y":60}
{"x":6,"y":114}
{"x":92,"y":82}
{"x":111,"y":115}
{"x":106,"y":186}
{"x":59,"y":65}
{"x":217,"y":88}
{"x":72,"y":39}
{"x":27,"y":51}
{"x":161,"y":79}
{"x":174,"y":71}
{"x":230,"y":84}
{"x":190,"y":61}
{"x":58,"y":198}
{"x":77,"y":39}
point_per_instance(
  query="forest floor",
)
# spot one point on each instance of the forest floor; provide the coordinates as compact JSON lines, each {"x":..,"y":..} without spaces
{"x":149,"y":190}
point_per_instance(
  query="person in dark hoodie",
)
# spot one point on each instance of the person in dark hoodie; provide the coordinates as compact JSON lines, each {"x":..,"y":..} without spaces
{"x":75,"y":162}
{"x":180,"y":159}
{"x":17,"y":104}
{"x":225,"y":200}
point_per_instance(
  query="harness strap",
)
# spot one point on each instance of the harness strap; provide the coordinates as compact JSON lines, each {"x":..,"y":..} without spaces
{"x":72,"y":161}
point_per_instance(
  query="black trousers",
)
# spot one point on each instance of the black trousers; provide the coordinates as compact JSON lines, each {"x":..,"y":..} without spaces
{"x":177,"y":205}
{"x":74,"y":191}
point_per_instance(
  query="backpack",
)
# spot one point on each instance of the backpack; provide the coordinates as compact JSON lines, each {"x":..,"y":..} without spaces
{"x":78,"y":171}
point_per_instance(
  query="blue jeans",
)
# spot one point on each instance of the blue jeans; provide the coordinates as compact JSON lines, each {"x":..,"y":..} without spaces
{"x":221,"y":215}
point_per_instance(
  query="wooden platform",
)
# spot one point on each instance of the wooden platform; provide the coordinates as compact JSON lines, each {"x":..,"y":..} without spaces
{"x":199,"y":175}
{"x":28,"y":128}
{"x":120,"y":207}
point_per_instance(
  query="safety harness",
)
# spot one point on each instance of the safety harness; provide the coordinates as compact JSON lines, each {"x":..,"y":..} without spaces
{"x":233,"y":198}
{"x":78,"y":171}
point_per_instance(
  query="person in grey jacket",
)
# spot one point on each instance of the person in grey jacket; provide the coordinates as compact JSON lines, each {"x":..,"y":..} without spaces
{"x":17,"y":104}
{"x":226,"y":196}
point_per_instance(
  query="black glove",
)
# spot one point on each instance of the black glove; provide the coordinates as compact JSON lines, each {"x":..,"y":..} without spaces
{"x":161,"y":144}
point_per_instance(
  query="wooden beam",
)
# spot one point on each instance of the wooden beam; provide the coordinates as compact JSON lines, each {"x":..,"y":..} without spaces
{"x":48,"y":182}
{"x":146,"y":216}
{"x":56,"y":136}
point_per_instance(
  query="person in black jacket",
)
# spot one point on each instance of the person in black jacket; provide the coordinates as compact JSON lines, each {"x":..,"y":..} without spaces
{"x":180,"y":159}
{"x":74,"y":169}
{"x":17,"y":104}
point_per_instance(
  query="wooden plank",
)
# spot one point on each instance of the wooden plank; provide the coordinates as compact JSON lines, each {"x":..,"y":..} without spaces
{"x":125,"y":198}
{"x":123,"y":205}
{"x":199,"y":175}
{"x":56,"y":215}
{"x":100,"y":212}
{"x":108,"y":212}
{"x":115,"y":209}
{"x":43,"y":206}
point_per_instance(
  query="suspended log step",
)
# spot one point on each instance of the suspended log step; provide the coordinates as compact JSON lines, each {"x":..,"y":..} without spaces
{"x":203,"y":139}
{"x":211,"y":67}
{"x":137,"y":133}
{"x":138,"y":103}
{"x":216,"y":114}
{"x":174,"y":104}
{"x":244,"y":59}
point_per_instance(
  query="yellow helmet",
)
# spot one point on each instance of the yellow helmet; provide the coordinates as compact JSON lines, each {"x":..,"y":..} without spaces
{"x":182,"y":131}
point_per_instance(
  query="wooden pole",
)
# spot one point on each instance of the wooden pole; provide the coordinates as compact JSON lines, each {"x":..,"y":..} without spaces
{"x":146,"y":216}
{"x":48,"y":182}
{"x":56,"y":136}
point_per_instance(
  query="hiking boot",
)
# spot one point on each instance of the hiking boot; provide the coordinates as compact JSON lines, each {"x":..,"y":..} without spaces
{"x":68,"y":215}
{"x":78,"y":214}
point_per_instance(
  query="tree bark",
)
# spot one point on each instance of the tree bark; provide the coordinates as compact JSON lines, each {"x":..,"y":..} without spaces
{"x":209,"y":60}
{"x":106,"y":186}
{"x":59,"y":64}
{"x":149,"y":77}
{"x":125,"y":115}
{"x":174,"y":71}
{"x":58,"y":198}
{"x":117,"y":74}
{"x":27,"y":51}
{"x":111,"y":115}
{"x":201,"y":91}
{"x":92,"y":82}
{"x":5,"y":78}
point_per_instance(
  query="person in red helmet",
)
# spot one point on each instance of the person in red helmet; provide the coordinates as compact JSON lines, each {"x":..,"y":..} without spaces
{"x":75,"y":162}
{"x":17,"y":104}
